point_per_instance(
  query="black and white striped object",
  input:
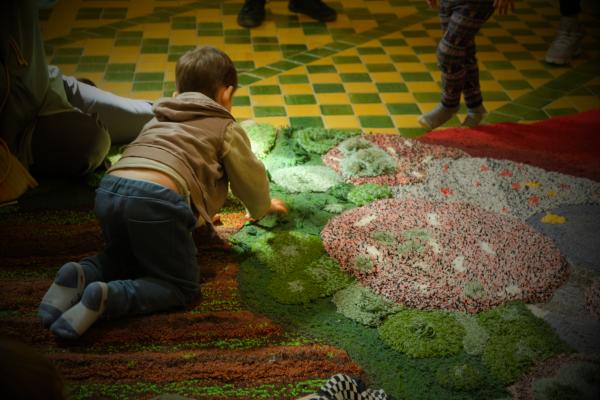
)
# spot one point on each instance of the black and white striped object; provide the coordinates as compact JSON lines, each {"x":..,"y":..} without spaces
{"x":343,"y":387}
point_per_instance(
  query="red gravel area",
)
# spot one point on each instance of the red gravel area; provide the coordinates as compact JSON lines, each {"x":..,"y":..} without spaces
{"x":453,"y":256}
{"x":592,"y":298}
{"x":411,"y":156}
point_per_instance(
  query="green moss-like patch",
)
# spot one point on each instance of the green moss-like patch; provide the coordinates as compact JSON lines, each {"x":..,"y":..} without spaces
{"x":341,"y":190}
{"x":363,"y":306}
{"x":384,"y":237}
{"x":368,"y":162}
{"x":575,"y":381}
{"x":473,"y":289}
{"x":294,"y":287}
{"x":262,"y":137}
{"x":306,"y":178}
{"x":460,"y":377}
{"x":422,"y":334}
{"x":369,"y":192}
{"x":286,"y":152}
{"x":476,"y":337}
{"x":285,"y":252}
{"x":517,"y":340}
{"x":326,"y":271}
{"x":320,"y":140}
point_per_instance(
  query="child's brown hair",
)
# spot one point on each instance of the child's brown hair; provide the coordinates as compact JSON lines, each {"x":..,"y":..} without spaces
{"x":205,"y":69}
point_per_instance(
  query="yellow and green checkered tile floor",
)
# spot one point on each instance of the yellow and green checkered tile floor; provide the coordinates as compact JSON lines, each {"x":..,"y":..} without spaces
{"x":374,"y":68}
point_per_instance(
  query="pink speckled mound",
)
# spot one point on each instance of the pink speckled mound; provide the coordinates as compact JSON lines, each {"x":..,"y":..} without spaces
{"x":592,"y":297}
{"x":453,"y":256}
{"x":412,"y":158}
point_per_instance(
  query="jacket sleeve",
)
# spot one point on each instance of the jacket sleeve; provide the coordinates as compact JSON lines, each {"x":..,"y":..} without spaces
{"x":247,"y":174}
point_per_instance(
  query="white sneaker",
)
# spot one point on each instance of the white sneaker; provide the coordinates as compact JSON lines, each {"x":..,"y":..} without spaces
{"x":567,"y":43}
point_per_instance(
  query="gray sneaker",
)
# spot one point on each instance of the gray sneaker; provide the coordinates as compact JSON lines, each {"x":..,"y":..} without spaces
{"x":567,"y":43}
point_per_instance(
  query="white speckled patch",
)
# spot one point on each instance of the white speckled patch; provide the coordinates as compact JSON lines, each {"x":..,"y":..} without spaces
{"x":366,"y":220}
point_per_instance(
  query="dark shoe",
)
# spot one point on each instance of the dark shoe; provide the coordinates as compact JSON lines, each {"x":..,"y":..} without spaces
{"x":252,"y":13}
{"x":315,"y":9}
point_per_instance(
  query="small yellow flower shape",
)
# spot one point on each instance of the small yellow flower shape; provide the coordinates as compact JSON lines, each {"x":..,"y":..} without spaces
{"x":552,"y":194}
{"x":533,"y":184}
{"x":550,"y":218}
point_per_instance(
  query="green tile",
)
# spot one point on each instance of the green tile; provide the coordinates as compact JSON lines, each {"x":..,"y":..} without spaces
{"x":314,"y":29}
{"x":336,"y":109}
{"x":321,"y":52}
{"x":536,"y":46}
{"x":403,"y":108}
{"x":265,"y":47}
{"x":299,"y":122}
{"x":518,"y":55}
{"x":244,"y":65}
{"x":555,"y":112}
{"x":118,"y":76}
{"x":355,"y":77}
{"x":495,"y":96}
{"x":283,"y":65}
{"x":265,"y":72}
{"x":300,"y":99}
{"x":502,"y":39}
{"x":264,"y":89}
{"x":346,"y":59}
{"x":370,"y":50}
{"x":376,"y":121}
{"x":364,"y":98}
{"x":293,"y":79}
{"x":521,"y":32}
{"x":338,"y":45}
{"x":114,"y":13}
{"x":65,"y":60}
{"x":264,"y":111}
{"x":293,"y":48}
{"x":405,"y":58}
{"x":210,"y":25}
{"x":569,"y":80}
{"x":155,"y":46}
{"x":514,"y":84}
{"x":317,"y":69}
{"x":415,"y":34}
{"x":392,"y":87}
{"x":91,"y":67}
{"x":237,"y":40}
{"x":214,"y":32}
{"x":381,"y":68}
{"x":412,"y":132}
{"x":536,"y":74}
{"x":127,"y":42}
{"x":183,"y":22}
{"x":416,"y":76}
{"x":495,"y":117}
{"x":245,"y":79}
{"x":581,"y":91}
{"x":148,"y":76}
{"x":531,"y":100}
{"x":129,"y":68}
{"x":548,"y":93}
{"x":69,"y":51}
{"x":241,"y":100}
{"x":240,"y":32}
{"x":515,"y":109}
{"x":88,"y":13}
{"x":328,"y":88}
{"x":147,"y":86}
{"x":425,"y":49}
{"x":265,"y":40}
{"x":302,"y":58}
{"x":498,"y":65}
{"x":427,"y":97}
{"x":485,"y":76}
{"x":535,"y":115}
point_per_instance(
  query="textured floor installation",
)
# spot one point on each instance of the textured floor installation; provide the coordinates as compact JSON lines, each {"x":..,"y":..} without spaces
{"x":425,"y":270}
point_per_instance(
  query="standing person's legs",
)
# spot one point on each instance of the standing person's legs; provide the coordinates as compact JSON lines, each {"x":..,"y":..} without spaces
{"x":567,"y":43}
{"x":123,"y":117}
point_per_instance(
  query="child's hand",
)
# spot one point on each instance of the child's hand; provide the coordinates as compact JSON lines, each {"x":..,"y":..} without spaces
{"x":277,"y":207}
{"x":432,"y":3}
{"x":503,"y":7}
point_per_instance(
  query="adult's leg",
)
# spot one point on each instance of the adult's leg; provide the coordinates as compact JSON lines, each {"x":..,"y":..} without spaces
{"x":123,"y":117}
{"x":569,"y":8}
{"x":567,"y":43}
{"x":68,"y":143}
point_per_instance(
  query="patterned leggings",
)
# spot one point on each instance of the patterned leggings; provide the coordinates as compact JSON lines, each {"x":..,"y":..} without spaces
{"x":461,"y":20}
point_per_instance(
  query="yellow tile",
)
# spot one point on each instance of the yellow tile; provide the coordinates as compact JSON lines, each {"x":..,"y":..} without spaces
{"x":302,"y":110}
{"x":423,"y":86}
{"x":149,"y":95}
{"x":183,"y":37}
{"x":301,"y":88}
{"x":510,"y":47}
{"x":67,"y":69}
{"x":124,"y":58}
{"x":156,"y":30}
{"x":380,"y":131}
{"x":536,"y":83}
{"x":351,"y":68}
{"x":170,"y":71}
{"x":515,"y":94}
{"x":490,"y":86}
{"x":360,"y":87}
{"x":401,"y":50}
{"x":363,"y":25}
{"x":243,"y":91}
{"x":275,"y":121}
{"x":268,"y":81}
{"x":494,"y":105}
{"x":341,"y":122}
{"x":150,"y":67}
{"x":507,"y":74}
{"x":424,"y":41}
{"x":376,"y":58}
{"x":325,"y":78}
{"x":268,"y":100}
{"x":426,"y":107}
{"x":428,"y":58}
{"x":289,"y":35}
{"x":370,"y":109}
{"x":264,"y":58}
{"x":528,"y":64}
{"x":216,"y":41}
{"x":381,"y":77}
{"x":315,"y":41}
{"x":332,"y":98}
{"x":208,"y":15}
{"x":406,"y":121}
{"x":397,"y":97}
{"x":490,"y":56}
{"x":585,"y":103}
{"x":98,"y":47}
{"x":560,"y":103}
{"x":120,"y":88}
{"x":492,"y":31}
{"x":411,"y":67}
{"x":242,"y":112}
{"x":153,"y":58}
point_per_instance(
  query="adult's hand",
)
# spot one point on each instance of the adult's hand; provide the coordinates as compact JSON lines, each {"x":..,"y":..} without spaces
{"x":432,"y":3}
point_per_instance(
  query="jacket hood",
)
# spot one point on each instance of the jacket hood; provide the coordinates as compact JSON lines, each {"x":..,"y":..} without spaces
{"x":188,"y":106}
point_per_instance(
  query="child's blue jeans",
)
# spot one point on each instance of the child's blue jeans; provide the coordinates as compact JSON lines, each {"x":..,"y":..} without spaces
{"x":149,"y":261}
